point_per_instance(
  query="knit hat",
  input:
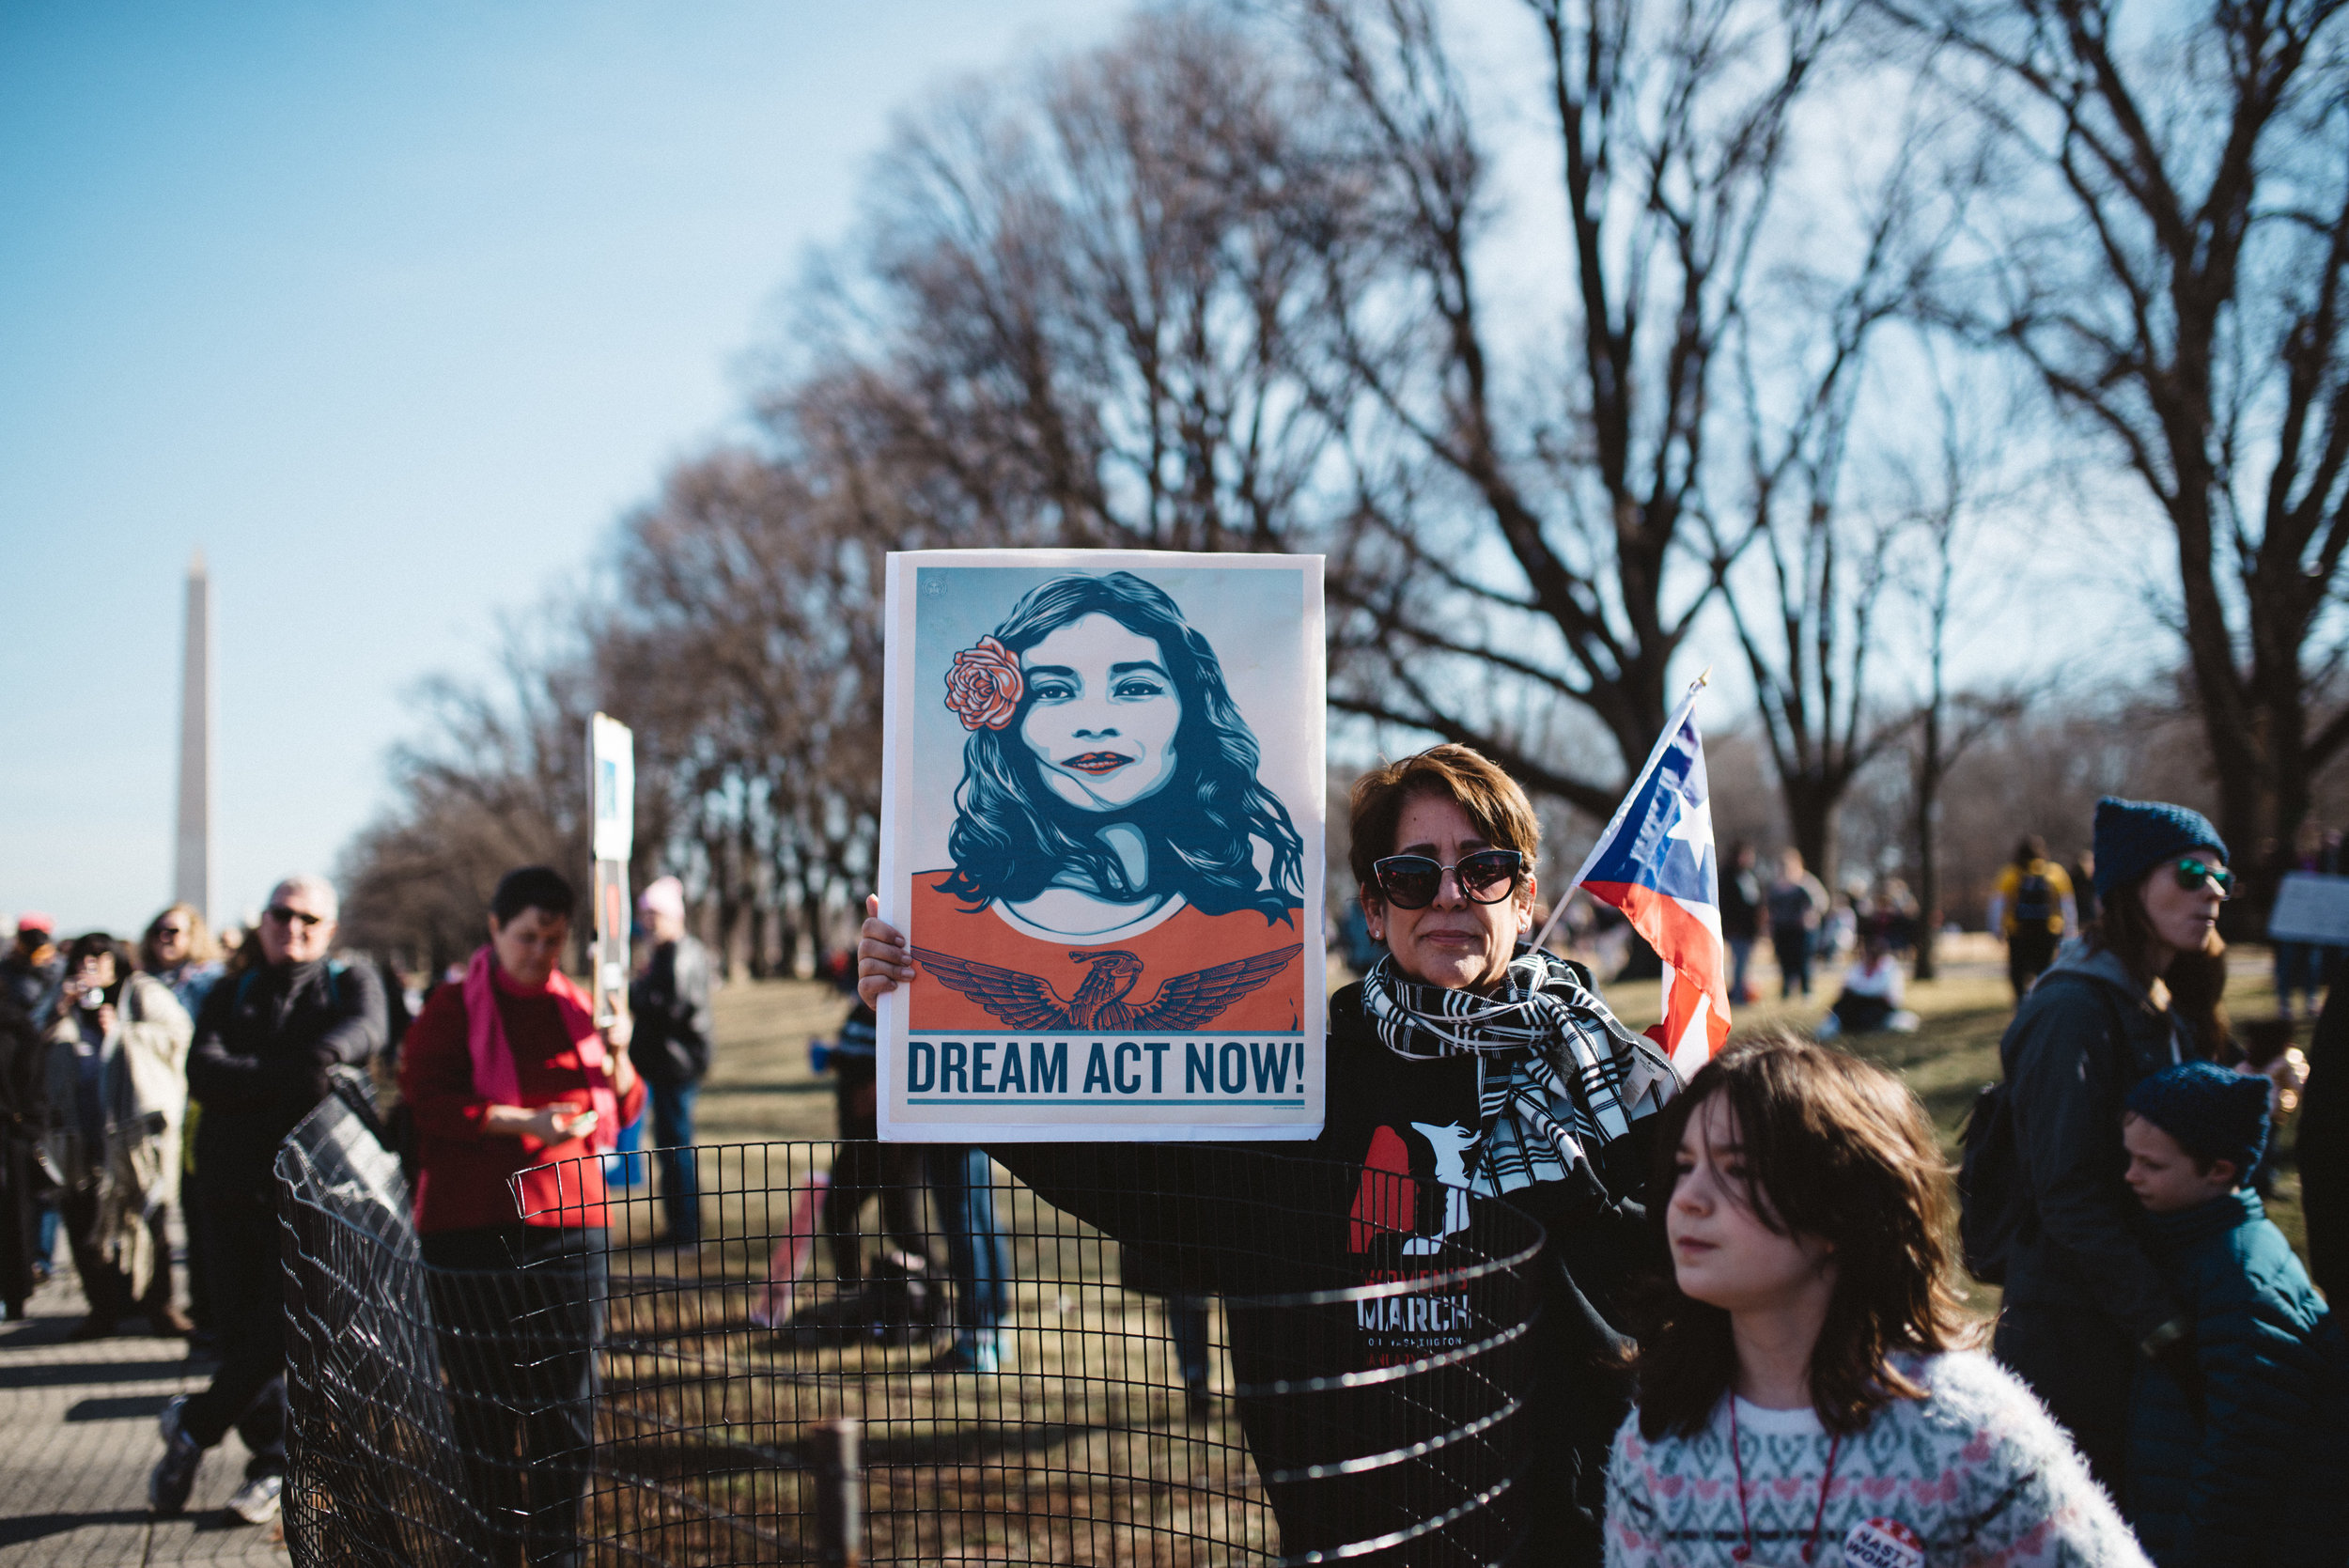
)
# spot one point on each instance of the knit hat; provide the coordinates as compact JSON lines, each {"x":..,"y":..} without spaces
{"x":2135,"y":836}
{"x":664,"y":897}
{"x":2212,"y":1112}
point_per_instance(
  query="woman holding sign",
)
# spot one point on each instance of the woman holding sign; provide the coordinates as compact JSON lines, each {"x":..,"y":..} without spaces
{"x":509,"y":1076}
{"x":1466,"y":1062}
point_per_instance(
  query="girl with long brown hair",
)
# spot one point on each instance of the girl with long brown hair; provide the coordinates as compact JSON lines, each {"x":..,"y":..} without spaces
{"x":1802,"y":1387}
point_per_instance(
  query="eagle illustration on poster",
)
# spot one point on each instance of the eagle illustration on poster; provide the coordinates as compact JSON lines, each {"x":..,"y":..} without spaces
{"x":1121,"y":870}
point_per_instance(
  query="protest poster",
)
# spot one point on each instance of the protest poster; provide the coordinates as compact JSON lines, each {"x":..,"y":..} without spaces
{"x":1102,"y":832}
{"x":2311,"y":906}
{"x":612,"y":834}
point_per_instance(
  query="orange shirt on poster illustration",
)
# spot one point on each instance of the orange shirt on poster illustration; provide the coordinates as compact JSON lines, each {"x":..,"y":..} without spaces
{"x":1129,"y":971}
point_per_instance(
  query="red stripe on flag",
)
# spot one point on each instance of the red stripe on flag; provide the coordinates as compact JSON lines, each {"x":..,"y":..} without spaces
{"x":1699,"y":963}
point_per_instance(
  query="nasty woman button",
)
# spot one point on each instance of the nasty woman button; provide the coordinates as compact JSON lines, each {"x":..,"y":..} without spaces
{"x":1884,"y":1544}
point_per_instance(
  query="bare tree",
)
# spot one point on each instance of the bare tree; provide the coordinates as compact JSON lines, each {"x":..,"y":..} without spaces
{"x":1069,"y":318}
{"x":497,"y":780}
{"x":744,"y":645}
{"x":2169,"y":260}
{"x":1536,"y":540}
{"x":1808,"y":628}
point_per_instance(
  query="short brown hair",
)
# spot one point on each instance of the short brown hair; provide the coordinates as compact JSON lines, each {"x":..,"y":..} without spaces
{"x":1835,"y":1148}
{"x":1467,"y":778}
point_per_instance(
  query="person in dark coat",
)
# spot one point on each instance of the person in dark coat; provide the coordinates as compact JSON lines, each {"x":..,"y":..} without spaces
{"x":1742,"y":900}
{"x":32,"y":970}
{"x":1451,"y":1067}
{"x":2084,"y":1304}
{"x":669,"y":1002}
{"x":265,"y":1045}
{"x":2242,"y":1457}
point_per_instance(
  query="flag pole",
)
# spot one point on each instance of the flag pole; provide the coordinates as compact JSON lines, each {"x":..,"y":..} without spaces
{"x":1655,"y":754}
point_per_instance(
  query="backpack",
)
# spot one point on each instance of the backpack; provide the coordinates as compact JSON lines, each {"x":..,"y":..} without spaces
{"x":1990,"y":1210}
{"x":1992,"y":1202}
{"x":2035,"y":907}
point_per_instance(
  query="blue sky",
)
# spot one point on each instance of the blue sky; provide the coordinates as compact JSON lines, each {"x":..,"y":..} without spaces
{"x":393,"y":310}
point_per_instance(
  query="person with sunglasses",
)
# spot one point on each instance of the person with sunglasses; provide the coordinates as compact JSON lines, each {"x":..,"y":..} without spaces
{"x":265,"y":1042}
{"x":1466,"y":1060}
{"x":2084,"y":1304}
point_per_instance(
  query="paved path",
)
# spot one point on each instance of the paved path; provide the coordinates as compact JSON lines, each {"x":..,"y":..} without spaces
{"x":77,"y":1437}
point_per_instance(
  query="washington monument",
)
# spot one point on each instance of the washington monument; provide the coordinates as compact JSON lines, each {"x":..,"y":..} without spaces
{"x":192,"y":866}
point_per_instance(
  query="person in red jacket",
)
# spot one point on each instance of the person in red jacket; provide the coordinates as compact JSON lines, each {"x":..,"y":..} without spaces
{"x":507,"y":1076}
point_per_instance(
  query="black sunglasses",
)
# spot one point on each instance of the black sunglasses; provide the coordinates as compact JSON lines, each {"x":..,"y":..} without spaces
{"x":284,"y":916}
{"x":1412,"y":881}
{"x":2192,"y":874}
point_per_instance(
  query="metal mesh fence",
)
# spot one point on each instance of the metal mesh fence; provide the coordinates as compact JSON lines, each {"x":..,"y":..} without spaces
{"x":1210,"y":1389}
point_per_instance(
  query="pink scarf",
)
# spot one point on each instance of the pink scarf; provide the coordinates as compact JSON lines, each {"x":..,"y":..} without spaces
{"x":495,"y":1078}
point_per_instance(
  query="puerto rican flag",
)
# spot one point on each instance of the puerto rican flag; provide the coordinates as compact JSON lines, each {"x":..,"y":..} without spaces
{"x":1657,"y":864}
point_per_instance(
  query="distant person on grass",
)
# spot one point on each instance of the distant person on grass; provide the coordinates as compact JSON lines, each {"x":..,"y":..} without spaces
{"x":669,"y":1008}
{"x":265,"y":1044}
{"x":1797,"y":904}
{"x":2085,"y":1307}
{"x":2247,"y":1441}
{"x":2031,"y":911}
{"x":509,"y":1076}
{"x":1742,"y":899}
{"x":1874,"y":993}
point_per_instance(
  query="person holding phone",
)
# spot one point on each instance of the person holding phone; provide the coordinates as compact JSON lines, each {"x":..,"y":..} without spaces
{"x":507,"y":1075}
{"x":118,"y":1058}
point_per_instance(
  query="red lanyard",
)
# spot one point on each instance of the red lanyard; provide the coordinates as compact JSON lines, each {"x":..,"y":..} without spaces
{"x":1744,"y":1549}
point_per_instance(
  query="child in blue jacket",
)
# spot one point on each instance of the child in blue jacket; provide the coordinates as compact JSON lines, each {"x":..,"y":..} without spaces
{"x":2245,"y":1460}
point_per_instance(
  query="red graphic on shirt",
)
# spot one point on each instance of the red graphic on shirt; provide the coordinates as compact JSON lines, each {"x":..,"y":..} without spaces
{"x":1387,"y":1199}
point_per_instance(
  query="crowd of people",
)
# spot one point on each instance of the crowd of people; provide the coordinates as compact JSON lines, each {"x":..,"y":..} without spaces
{"x":143,"y":1086}
{"x":1809,"y":1378}
{"x":1751,"y":1345}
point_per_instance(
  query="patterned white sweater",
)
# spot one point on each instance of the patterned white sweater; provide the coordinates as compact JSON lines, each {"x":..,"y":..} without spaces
{"x":1976,"y":1474}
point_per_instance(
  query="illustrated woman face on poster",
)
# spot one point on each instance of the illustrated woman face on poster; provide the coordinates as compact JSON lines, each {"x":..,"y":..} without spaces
{"x":1109,"y":778}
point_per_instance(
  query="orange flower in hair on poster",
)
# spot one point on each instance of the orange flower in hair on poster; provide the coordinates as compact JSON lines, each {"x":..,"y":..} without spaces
{"x":983,"y":687}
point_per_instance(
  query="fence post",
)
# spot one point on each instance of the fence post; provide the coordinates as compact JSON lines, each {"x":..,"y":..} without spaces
{"x":839,"y":1492}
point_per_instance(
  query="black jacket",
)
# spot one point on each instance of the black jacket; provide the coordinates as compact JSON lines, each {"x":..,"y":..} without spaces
{"x":669,"y":1002}
{"x":2081,"y":1040}
{"x":1255,"y":1224}
{"x":32,"y":986}
{"x":2251,"y":1468}
{"x":263,"y":1044}
{"x":1742,"y":900}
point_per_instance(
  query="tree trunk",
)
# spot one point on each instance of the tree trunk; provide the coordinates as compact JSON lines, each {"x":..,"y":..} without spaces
{"x":812,"y":917}
{"x":1928,"y":814}
{"x":1813,"y":806}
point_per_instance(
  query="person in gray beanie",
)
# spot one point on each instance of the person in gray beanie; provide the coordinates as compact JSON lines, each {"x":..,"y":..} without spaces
{"x":2084,"y":1304}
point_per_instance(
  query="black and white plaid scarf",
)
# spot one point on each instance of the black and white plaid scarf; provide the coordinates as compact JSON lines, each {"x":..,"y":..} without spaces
{"x":1556,"y":1075}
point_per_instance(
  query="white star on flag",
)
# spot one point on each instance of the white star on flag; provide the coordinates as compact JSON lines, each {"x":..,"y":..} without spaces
{"x":1693,"y":826}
